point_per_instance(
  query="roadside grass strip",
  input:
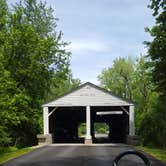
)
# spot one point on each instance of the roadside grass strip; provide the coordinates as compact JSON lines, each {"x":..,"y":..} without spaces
{"x":11,"y":153}
{"x":159,"y":154}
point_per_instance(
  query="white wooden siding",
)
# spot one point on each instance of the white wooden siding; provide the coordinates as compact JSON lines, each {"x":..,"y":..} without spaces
{"x":88,"y":95}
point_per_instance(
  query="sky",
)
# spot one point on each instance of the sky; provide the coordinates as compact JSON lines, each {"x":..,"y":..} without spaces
{"x":101,"y":31}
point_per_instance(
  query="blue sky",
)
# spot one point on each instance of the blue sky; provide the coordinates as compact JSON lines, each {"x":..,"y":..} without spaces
{"x":100,"y":31}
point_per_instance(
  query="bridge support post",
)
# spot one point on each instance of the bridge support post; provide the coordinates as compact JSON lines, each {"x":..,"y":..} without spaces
{"x":88,"y":138}
{"x":131,"y":121}
{"x":132,"y":139}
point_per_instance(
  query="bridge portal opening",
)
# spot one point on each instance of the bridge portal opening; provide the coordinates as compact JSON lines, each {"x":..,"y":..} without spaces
{"x":115,"y":120}
{"x":82,"y":130}
{"x":108,"y":124}
{"x":64,"y":124}
{"x":101,"y":132}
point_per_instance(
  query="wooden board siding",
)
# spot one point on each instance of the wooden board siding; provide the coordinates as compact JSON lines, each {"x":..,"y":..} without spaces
{"x":88,"y":95}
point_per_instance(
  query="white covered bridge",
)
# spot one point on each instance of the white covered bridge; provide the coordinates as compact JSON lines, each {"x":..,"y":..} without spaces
{"x":87,"y":104}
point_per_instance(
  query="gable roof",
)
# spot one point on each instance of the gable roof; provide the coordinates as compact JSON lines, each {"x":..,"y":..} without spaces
{"x":89,"y":94}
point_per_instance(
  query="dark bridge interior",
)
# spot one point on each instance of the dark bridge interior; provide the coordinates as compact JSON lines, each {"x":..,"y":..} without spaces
{"x":64,"y":123}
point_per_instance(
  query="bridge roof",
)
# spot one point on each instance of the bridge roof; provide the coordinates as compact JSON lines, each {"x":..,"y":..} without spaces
{"x":88,"y":94}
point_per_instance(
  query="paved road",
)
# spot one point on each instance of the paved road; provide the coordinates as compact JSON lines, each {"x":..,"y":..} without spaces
{"x":76,"y":156}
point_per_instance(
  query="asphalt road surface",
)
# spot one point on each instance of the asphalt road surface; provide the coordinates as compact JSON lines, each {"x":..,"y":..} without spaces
{"x":77,"y":156}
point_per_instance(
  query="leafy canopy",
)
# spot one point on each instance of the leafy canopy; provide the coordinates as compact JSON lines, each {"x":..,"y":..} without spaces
{"x":157,"y":48}
{"x":32,"y":53}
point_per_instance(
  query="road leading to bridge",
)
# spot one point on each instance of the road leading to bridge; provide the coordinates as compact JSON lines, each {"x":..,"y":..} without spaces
{"x":76,"y":156}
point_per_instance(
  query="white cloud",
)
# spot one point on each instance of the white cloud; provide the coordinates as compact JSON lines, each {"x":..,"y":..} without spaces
{"x":88,"y":46}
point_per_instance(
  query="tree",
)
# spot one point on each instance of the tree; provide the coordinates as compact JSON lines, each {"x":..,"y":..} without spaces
{"x":118,"y":78}
{"x":146,"y":105}
{"x":143,"y":88}
{"x":157,"y":48}
{"x":6,"y":83}
{"x":62,"y":85}
{"x":39,"y":16}
{"x":157,"y":54}
{"x":140,"y":89}
{"x":31,"y":53}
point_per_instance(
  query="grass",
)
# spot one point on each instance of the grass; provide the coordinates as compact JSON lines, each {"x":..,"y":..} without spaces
{"x":12,"y":152}
{"x":159,"y":154}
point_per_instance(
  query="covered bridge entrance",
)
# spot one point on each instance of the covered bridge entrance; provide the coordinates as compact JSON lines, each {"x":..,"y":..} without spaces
{"x":88,"y":104}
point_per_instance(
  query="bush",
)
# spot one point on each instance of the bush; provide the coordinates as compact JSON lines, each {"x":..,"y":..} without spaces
{"x":101,"y":130}
{"x":4,"y":137}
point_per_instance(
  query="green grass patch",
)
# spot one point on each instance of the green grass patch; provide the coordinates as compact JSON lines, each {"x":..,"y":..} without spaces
{"x":159,"y":154}
{"x":12,"y":152}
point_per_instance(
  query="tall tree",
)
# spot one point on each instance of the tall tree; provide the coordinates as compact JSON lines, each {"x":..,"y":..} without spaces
{"x":143,"y":87}
{"x":157,"y":48}
{"x":39,"y":16}
{"x":6,"y":83}
{"x":157,"y":53}
{"x":146,"y":99}
{"x":118,"y":77}
{"x":31,"y":53}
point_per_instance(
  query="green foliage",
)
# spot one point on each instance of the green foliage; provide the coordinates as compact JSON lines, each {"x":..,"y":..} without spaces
{"x":134,"y":79}
{"x":82,"y":129}
{"x":118,"y":78}
{"x":157,"y":48}
{"x":8,"y":153}
{"x":101,"y":128}
{"x":4,"y":139}
{"x":157,"y":56}
{"x":157,"y":5}
{"x":32,"y":53}
{"x":159,"y":154}
{"x":145,"y":81}
{"x":61,"y":85}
